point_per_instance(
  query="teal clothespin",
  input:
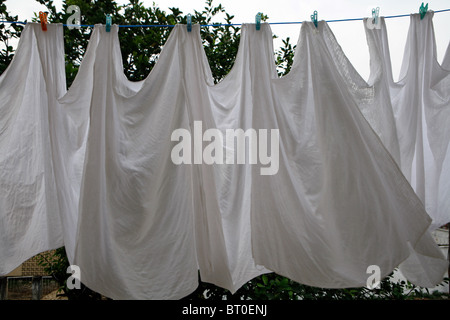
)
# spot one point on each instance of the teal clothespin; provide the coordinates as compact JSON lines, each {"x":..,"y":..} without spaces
{"x":189,"y":22}
{"x":375,"y":15}
{"x":423,"y":11}
{"x":108,"y":23}
{"x":258,"y":21}
{"x":314,"y":18}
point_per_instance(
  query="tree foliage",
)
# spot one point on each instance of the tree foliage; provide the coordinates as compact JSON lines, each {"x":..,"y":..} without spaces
{"x":8,"y":33}
{"x":276,"y":287}
{"x":141,"y":47}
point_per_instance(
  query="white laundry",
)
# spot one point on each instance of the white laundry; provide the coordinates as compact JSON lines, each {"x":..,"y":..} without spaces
{"x":41,"y":154}
{"x":136,"y":220}
{"x":421,"y":108}
{"x":339,"y":202}
{"x":140,"y":226}
{"x":29,"y":213}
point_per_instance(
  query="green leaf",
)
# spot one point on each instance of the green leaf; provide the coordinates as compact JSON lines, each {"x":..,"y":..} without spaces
{"x":265,"y":279}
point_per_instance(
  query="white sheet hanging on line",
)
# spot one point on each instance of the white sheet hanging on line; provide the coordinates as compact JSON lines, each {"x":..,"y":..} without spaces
{"x":70,"y":127}
{"x":29,"y":213}
{"x":421,"y":105}
{"x":136,"y":219}
{"x":223,"y":189}
{"x":339,"y":202}
{"x":41,"y":153}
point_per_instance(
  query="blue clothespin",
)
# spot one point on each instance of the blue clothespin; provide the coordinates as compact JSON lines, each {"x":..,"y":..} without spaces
{"x":189,"y":22}
{"x":108,"y":23}
{"x":314,"y":18}
{"x":258,"y":21}
{"x":423,"y":11}
{"x":375,"y":15}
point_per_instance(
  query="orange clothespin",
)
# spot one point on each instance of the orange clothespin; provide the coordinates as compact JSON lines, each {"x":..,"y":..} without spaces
{"x":43,"y":18}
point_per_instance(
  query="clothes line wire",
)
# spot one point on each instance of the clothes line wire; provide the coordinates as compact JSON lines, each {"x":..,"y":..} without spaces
{"x":222,"y":24}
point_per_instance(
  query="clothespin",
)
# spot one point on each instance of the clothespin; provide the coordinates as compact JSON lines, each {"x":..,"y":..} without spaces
{"x":108,"y":22}
{"x":258,"y":21}
{"x":189,"y":22}
{"x":375,"y":15}
{"x":314,"y":18}
{"x":423,"y":11}
{"x":43,"y":18}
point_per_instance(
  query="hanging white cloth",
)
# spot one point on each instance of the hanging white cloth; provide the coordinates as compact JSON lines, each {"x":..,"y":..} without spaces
{"x":29,"y":213}
{"x":421,"y":107}
{"x":35,"y":172}
{"x":330,"y":203}
{"x":223,"y":189}
{"x":71,"y":125}
{"x":136,"y":220}
{"x":42,"y":139}
{"x":339,"y":202}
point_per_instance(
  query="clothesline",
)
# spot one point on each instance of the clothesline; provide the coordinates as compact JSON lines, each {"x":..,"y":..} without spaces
{"x":223,"y":24}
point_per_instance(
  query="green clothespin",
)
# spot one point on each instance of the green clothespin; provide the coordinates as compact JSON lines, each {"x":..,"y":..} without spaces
{"x":375,"y":15}
{"x":314,"y":18}
{"x":258,"y":21}
{"x":108,"y":23}
{"x":423,"y":11}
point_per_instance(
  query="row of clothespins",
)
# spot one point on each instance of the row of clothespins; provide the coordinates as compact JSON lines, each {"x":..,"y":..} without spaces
{"x":375,"y":15}
{"x":43,"y":20}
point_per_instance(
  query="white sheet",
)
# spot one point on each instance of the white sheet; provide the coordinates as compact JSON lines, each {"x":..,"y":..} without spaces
{"x":29,"y":213}
{"x":421,"y":108}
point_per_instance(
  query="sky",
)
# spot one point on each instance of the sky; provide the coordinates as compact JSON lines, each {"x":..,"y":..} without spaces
{"x":350,"y":35}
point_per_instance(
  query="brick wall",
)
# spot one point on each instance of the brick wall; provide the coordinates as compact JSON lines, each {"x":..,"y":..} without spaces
{"x":31,"y":267}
